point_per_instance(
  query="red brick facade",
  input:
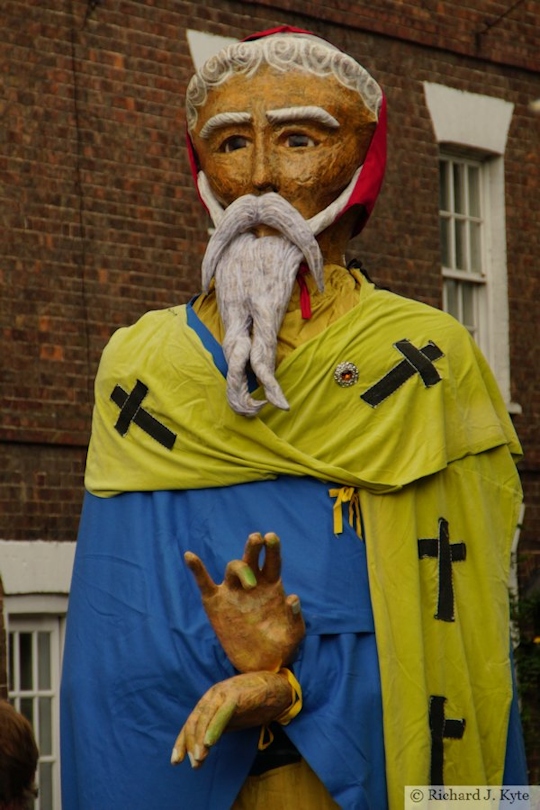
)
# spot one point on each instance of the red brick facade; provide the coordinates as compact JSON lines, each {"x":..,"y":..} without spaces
{"x":99,"y":220}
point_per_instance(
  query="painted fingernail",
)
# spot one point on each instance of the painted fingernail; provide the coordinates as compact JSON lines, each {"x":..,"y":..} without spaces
{"x":249,"y":578}
{"x":271,"y":539}
{"x":295,"y":607}
{"x":192,"y":760}
{"x":174,"y":757}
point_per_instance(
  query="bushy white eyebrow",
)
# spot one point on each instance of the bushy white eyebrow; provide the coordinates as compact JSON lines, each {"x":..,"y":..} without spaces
{"x":309,"y":113}
{"x":225,"y":119}
{"x":283,"y":115}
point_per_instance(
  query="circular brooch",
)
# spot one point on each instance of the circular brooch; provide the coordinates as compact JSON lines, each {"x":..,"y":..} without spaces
{"x":346,"y":374}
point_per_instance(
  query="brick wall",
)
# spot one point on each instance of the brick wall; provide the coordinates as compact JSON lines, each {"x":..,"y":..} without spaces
{"x":499,"y":31}
{"x":100,"y":221}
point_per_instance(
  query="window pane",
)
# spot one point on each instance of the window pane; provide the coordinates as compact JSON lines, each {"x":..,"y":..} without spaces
{"x":476,"y":247}
{"x":459,"y":188}
{"x":45,"y":726}
{"x":446,"y":254}
{"x":444,"y":186}
{"x":468,"y":300}
{"x":25,"y":660}
{"x":461,"y":245}
{"x":45,"y":786}
{"x":474,"y":191}
{"x":44,"y":660}
{"x":27,"y":708}
{"x":451,"y":297}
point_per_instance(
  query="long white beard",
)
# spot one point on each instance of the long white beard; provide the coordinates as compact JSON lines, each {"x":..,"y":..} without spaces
{"x":254,"y":278}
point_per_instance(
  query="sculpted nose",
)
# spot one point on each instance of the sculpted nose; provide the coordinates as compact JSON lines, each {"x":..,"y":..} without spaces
{"x":263,"y":175}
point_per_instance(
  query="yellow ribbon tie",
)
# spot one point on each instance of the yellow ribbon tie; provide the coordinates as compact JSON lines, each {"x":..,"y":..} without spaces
{"x":346,"y":495}
{"x":266,"y":737}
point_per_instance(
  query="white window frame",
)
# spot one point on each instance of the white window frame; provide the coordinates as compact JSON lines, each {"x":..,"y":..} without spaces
{"x":34,"y":623}
{"x":36,"y":578}
{"x":477,"y":125}
{"x":475,"y":279}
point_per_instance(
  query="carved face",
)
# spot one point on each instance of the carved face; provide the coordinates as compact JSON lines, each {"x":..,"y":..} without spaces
{"x":300,"y":135}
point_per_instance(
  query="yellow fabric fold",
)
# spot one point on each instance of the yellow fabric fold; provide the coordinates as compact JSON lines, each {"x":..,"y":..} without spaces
{"x":415,"y":432}
{"x":465,"y":661}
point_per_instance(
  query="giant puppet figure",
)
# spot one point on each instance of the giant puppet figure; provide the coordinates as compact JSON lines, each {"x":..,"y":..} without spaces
{"x":291,"y":400}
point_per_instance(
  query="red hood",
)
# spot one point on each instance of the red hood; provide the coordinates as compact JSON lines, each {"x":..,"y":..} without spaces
{"x":368,"y":186}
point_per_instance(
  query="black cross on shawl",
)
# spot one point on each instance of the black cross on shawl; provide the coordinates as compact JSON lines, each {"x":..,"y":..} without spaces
{"x":447,"y":553}
{"x":131,"y":411}
{"x":416,"y":361}
{"x":441,"y":728}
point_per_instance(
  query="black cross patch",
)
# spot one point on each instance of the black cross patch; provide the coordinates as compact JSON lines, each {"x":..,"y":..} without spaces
{"x":131,"y":411}
{"x":417,"y":361}
{"x":441,"y":729}
{"x":447,"y":553}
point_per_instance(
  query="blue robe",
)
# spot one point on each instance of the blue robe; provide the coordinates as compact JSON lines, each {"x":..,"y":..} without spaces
{"x":140,"y":651}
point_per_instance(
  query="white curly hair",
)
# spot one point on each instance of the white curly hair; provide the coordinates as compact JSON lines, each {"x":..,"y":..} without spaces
{"x":282,"y":52}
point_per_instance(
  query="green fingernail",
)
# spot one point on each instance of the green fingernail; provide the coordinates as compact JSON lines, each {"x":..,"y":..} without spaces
{"x":210,"y":739}
{"x":249,"y":578}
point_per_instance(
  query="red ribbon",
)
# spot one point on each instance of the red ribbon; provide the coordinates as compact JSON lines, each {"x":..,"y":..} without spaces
{"x":305,"y":299}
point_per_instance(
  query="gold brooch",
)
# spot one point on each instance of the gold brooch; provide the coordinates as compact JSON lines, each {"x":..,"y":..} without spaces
{"x":346,"y":374}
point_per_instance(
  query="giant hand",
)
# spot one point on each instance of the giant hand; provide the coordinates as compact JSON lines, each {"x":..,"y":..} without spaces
{"x":243,"y":701}
{"x":259,"y":627}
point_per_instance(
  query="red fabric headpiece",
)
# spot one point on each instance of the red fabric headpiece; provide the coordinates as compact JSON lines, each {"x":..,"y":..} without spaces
{"x":369,"y":183}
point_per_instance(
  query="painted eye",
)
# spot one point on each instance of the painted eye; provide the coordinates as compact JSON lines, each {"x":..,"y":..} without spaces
{"x":233,"y":143}
{"x":297,"y":140}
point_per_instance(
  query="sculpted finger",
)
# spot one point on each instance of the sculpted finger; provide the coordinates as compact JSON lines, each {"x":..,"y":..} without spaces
{"x":210,"y":707}
{"x":252,"y":550}
{"x":219,"y":722}
{"x":197,"y":724}
{"x":239,"y":572}
{"x":272,"y":560}
{"x":206,"y":584}
{"x":296,"y":609}
{"x":189,"y":729}
{"x":179,"y":749}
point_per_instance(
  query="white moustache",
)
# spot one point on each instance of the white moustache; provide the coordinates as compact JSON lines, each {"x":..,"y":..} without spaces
{"x":270,"y":209}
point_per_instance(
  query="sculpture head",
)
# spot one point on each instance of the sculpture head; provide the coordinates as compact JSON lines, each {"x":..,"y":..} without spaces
{"x":287,"y":141}
{"x":287,"y":112}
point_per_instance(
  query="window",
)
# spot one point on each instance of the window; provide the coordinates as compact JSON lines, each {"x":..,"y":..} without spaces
{"x":33,"y":684}
{"x":36,"y":577}
{"x":471,"y":130}
{"x":462,"y":222}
